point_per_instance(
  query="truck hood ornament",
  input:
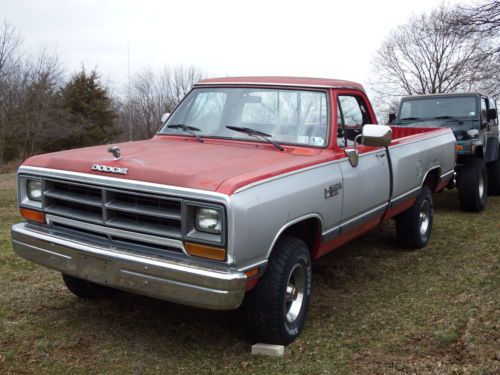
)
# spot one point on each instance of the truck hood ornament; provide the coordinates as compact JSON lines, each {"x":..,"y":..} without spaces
{"x":115,"y":150}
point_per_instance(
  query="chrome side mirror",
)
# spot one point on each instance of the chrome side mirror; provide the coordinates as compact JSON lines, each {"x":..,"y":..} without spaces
{"x":377,"y":135}
{"x":164,"y":117}
{"x":372,"y":135}
{"x":353,"y":156}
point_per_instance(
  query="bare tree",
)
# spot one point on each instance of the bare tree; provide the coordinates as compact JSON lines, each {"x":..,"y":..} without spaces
{"x":430,"y":55}
{"x":154,"y":94}
{"x":484,"y":19}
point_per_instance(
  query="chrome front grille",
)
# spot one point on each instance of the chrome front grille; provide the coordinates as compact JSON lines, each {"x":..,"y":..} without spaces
{"x":150,"y":216}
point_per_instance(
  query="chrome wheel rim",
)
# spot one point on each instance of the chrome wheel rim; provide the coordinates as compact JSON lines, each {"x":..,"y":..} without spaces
{"x":294,"y":296}
{"x":425,"y":216}
{"x":481,"y":186}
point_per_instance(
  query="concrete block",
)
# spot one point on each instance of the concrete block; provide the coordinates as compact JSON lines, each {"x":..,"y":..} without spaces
{"x":268,"y":349}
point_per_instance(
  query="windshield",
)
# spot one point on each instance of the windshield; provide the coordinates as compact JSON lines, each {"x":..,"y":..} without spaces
{"x":441,"y":111}
{"x":289,"y":116}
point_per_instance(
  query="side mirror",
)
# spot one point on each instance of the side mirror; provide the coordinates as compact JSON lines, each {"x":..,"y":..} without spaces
{"x":392,"y":118}
{"x":164,"y":117}
{"x":377,"y":135}
{"x":373,"y":135}
{"x":353,"y":156}
{"x":492,"y":114}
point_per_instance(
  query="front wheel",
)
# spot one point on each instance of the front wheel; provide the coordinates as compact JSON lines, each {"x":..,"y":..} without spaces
{"x":86,"y":289}
{"x":414,"y":226}
{"x":275,"y":310}
{"x":473,"y":185}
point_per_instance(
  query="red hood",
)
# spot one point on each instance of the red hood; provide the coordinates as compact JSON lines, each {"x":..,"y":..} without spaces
{"x":222,"y":166}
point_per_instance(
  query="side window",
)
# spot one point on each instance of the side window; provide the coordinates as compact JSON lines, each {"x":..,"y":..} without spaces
{"x":484,"y":110}
{"x":352,"y":115}
{"x":494,"y":105}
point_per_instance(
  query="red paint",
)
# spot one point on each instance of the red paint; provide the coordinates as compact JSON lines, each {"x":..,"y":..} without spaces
{"x":327,"y":247}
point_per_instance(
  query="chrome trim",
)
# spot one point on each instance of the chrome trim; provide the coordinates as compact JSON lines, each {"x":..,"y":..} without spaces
{"x":146,"y":238}
{"x":447,"y":173}
{"x":186,"y":282}
{"x":114,"y":182}
{"x":349,"y":224}
{"x":141,"y":187}
{"x":399,"y":198}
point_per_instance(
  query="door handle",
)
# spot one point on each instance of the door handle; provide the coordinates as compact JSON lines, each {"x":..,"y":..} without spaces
{"x":382,"y":155}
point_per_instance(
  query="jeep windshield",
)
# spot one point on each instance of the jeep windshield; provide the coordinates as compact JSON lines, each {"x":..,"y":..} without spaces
{"x":456,"y":112}
{"x":287,"y":116}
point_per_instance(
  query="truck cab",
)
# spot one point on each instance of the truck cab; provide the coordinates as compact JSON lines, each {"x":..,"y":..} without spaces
{"x":473,"y":117}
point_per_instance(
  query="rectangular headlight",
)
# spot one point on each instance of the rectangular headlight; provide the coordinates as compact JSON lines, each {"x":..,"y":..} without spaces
{"x":34,"y":190}
{"x":208,"y":220}
{"x":29,"y":192}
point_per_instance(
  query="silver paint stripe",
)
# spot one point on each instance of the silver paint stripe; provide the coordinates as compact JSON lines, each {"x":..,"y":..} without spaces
{"x":305,"y":169}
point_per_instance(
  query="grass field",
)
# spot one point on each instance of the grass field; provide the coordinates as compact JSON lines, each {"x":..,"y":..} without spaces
{"x":375,"y":309}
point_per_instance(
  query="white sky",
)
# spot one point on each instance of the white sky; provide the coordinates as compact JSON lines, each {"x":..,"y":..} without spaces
{"x":334,"y":39}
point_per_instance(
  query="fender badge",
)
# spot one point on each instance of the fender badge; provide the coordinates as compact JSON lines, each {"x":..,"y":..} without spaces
{"x":108,"y":169}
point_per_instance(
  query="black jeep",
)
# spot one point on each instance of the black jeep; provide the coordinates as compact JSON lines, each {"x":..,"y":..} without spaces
{"x":474,"y":120}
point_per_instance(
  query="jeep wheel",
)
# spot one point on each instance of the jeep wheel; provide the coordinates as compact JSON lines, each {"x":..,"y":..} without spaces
{"x":494,"y":178}
{"x":414,"y":226}
{"x":473,"y":185}
{"x":275,"y":310}
{"x":86,"y":289}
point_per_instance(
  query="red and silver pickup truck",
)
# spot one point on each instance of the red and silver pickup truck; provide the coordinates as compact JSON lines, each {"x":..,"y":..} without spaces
{"x":247,"y":182}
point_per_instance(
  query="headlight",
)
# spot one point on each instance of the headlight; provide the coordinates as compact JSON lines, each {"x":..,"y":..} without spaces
{"x":208,"y":220}
{"x":34,"y":190}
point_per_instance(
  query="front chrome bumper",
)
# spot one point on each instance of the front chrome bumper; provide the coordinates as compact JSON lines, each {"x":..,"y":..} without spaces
{"x":178,"y":281}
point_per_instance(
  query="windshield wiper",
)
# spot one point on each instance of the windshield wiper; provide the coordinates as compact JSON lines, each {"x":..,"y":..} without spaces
{"x":256,"y":133}
{"x":188,"y":129}
{"x":449,"y":118}
{"x":410,"y":119}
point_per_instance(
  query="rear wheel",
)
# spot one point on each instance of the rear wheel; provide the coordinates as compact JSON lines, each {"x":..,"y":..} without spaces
{"x":473,"y":185}
{"x":414,"y":226}
{"x":494,"y":178}
{"x":86,"y":289}
{"x":276,"y":309}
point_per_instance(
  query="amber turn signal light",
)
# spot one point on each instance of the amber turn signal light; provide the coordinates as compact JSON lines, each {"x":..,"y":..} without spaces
{"x":205,"y":251}
{"x":32,"y":215}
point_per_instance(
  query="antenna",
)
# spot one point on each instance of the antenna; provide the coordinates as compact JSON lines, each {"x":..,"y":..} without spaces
{"x":129,"y":96}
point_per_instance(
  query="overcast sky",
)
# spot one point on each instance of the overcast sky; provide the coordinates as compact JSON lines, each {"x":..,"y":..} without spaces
{"x":334,"y":39}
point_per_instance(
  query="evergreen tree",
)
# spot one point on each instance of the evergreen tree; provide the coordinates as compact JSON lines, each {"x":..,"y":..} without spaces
{"x":88,"y":109}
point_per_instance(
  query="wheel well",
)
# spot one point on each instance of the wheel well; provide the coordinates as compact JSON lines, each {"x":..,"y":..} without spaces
{"x":308,"y":230}
{"x":432,"y":179}
{"x":479,"y":152}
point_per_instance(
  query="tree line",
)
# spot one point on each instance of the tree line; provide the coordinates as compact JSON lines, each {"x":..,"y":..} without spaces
{"x":43,"y":109}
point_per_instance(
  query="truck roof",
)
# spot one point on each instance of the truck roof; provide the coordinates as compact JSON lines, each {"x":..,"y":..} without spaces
{"x":444,"y":94}
{"x":282,"y":81}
